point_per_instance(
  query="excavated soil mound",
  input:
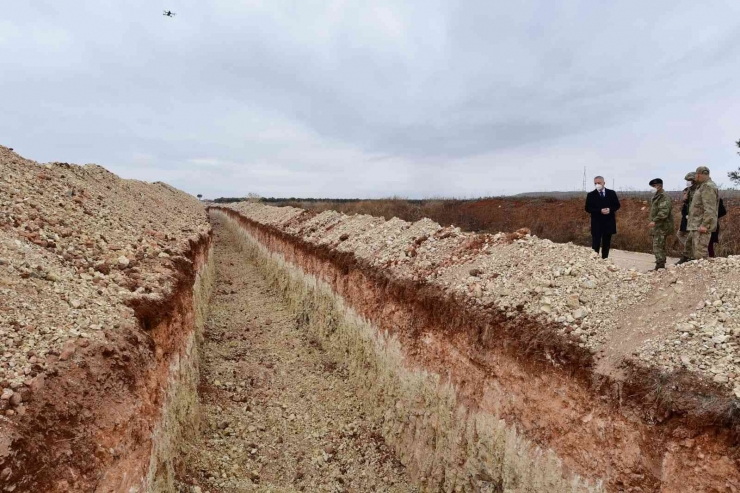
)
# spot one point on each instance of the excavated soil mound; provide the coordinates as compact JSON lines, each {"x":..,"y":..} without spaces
{"x":100,"y":286}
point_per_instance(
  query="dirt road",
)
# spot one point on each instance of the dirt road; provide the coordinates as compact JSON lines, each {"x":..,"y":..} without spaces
{"x":278,"y":414}
{"x":642,"y":262}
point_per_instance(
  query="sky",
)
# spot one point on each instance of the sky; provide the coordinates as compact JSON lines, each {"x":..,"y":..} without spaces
{"x":416,"y":98}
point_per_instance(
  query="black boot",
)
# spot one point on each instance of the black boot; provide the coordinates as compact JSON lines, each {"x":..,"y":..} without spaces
{"x":660,"y":265}
{"x":683,"y":260}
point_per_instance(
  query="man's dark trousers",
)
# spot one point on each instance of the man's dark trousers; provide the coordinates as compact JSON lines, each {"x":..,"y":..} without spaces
{"x":603,"y":226}
{"x":602,"y":242}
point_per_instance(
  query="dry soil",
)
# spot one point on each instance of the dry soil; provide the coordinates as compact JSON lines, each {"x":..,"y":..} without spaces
{"x":641,"y":262}
{"x":278,"y":414}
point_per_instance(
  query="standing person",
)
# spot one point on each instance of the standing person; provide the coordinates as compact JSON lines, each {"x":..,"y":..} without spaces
{"x":602,"y":204}
{"x":661,"y":221}
{"x":703,"y":214}
{"x":683,"y":234}
{"x":721,"y":212}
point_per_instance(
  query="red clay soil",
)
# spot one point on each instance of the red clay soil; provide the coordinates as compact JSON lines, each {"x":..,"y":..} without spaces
{"x":89,"y":425}
{"x":653,"y":432}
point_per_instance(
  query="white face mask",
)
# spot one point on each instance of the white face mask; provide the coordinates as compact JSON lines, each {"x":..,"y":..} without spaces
{"x":689,"y":184}
{"x":599,"y":187}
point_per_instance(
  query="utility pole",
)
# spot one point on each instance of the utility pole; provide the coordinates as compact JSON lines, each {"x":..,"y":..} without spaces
{"x":584,"y":178}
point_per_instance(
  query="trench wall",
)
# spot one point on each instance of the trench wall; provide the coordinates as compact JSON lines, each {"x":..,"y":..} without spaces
{"x":113,"y":417}
{"x":445,"y":444}
{"x":104,"y":283}
{"x":177,"y":336}
{"x":477,"y":403}
{"x":180,"y":414}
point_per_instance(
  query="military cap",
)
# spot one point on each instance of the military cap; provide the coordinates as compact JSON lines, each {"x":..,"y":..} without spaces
{"x":702,"y":170}
{"x":691,"y":176}
{"x":655,"y":181}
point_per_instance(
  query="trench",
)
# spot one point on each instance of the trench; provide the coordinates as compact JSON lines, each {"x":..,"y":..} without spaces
{"x":315,"y":376}
{"x":307,"y":370}
{"x":278,"y":412}
{"x":299,"y":392}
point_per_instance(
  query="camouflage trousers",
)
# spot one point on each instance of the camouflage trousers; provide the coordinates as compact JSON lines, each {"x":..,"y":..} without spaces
{"x":659,"y":249}
{"x":688,"y":246}
{"x":699,"y":245}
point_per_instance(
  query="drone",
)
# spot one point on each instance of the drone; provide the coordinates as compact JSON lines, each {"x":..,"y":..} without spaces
{"x":169,"y":13}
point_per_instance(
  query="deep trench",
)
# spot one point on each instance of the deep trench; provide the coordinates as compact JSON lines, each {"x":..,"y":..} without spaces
{"x":278,"y":412}
{"x":308,"y":366}
{"x":307,"y":370}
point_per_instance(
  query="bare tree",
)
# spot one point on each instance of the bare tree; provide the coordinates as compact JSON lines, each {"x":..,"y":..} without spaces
{"x":253,"y":197}
{"x":734,"y":176}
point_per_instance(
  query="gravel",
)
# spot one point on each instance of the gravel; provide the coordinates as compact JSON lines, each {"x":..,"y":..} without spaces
{"x":77,"y":242}
{"x":683,"y":317}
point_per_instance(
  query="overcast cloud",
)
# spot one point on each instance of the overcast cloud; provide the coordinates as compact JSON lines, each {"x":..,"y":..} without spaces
{"x":371,"y":99}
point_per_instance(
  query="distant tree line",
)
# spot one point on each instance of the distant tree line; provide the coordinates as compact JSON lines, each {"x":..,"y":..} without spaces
{"x":279,"y":200}
{"x":251,"y":197}
{"x":330,"y":201}
{"x":298,"y":199}
{"x":228,"y":200}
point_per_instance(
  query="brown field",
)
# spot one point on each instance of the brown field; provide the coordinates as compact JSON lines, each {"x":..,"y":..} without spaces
{"x":561,"y":220}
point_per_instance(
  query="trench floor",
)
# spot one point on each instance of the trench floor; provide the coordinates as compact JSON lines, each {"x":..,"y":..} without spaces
{"x":278,"y":414}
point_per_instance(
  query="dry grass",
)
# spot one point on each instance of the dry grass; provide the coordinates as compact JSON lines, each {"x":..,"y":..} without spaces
{"x":559,"y":219}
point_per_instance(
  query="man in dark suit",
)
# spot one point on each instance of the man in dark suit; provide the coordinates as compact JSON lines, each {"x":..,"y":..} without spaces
{"x":602,"y":204}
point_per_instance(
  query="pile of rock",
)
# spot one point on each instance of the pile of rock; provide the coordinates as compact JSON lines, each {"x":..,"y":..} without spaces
{"x":708,"y":339}
{"x":77,"y":243}
{"x":682,"y":317}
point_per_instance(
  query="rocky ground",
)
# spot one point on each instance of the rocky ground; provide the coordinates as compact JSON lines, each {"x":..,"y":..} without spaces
{"x":683,"y":317}
{"x":77,"y":245}
{"x":278,"y":414}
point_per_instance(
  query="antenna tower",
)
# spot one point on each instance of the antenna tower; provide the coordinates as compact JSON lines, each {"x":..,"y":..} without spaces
{"x":584,"y":178}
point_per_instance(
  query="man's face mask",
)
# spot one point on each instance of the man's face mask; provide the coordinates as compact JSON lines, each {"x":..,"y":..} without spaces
{"x":599,"y":187}
{"x":689,"y":183}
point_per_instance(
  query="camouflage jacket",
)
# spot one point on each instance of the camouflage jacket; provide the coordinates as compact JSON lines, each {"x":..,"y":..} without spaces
{"x":661,"y":213}
{"x":704,"y":207}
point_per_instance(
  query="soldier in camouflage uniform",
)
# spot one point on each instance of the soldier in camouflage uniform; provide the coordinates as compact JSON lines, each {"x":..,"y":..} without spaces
{"x":703,"y":214}
{"x":661,"y":222}
{"x":683,"y":234}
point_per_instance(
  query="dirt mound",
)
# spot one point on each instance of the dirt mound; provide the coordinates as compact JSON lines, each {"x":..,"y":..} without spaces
{"x":560,"y":219}
{"x":89,"y":265}
{"x":566,"y":286}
